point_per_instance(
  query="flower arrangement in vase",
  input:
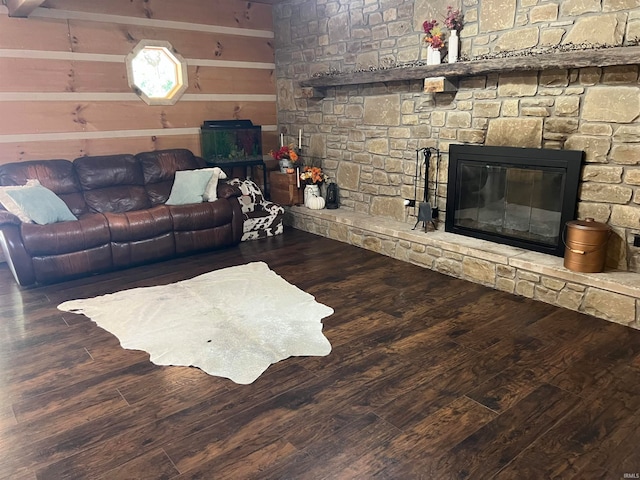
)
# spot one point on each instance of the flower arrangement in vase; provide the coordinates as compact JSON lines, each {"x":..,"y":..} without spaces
{"x":313,"y":177}
{"x":454,"y":23}
{"x":287,"y":157}
{"x":453,"y":20}
{"x":434,"y":37}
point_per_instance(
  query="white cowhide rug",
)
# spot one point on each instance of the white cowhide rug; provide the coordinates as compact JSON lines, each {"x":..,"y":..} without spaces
{"x":232,"y":323}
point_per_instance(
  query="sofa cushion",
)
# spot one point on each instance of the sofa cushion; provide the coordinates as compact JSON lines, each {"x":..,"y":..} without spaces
{"x":137,"y":252}
{"x":88,"y":232}
{"x":112,"y":183}
{"x":57,"y":175}
{"x":41,"y":205}
{"x":200,"y":216}
{"x":139,"y":225}
{"x":53,"y":268}
{"x":159,"y":168}
{"x":141,"y":236}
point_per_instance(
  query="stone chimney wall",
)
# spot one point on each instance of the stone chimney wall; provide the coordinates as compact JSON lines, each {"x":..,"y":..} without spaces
{"x":366,"y":136}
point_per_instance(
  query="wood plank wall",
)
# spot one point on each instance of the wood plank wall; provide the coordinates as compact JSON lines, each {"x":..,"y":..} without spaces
{"x":63,"y":80}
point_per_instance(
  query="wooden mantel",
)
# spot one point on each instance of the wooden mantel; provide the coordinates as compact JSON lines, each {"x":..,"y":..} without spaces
{"x":577,"y":59}
{"x":22,"y":8}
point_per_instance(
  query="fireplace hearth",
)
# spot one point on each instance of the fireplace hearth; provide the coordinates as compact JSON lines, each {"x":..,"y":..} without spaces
{"x":515,"y":196}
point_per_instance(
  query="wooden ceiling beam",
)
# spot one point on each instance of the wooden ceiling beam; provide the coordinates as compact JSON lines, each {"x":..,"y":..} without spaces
{"x":22,"y":8}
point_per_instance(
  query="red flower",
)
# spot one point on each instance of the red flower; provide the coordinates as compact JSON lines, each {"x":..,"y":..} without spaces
{"x":434,"y":35}
{"x":285,"y":152}
{"x":428,"y":25}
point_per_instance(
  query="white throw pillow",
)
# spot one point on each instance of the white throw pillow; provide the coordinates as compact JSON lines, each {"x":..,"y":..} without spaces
{"x":211,"y":190}
{"x":11,"y":205}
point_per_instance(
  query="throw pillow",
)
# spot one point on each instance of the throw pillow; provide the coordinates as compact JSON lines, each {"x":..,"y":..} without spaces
{"x":211,"y":190}
{"x":10,"y":204}
{"x":41,"y":205}
{"x":189,"y":185}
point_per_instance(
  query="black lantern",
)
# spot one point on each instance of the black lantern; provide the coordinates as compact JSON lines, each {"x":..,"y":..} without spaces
{"x":332,"y":196}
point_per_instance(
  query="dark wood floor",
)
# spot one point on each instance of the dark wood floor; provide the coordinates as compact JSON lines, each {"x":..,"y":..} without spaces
{"x":430,"y":377}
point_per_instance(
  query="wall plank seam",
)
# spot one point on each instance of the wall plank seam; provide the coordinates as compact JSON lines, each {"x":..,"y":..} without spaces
{"x":143,"y":22}
{"x":43,"y":137}
{"x":105,"y":57}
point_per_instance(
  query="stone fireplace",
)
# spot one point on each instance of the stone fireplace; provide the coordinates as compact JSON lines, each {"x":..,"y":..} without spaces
{"x":366,"y":133}
{"x":367,"y":128}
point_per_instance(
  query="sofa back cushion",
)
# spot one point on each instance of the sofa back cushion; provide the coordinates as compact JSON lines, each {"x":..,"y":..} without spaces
{"x":159,"y":169}
{"x":112,"y":183}
{"x":57,"y":175}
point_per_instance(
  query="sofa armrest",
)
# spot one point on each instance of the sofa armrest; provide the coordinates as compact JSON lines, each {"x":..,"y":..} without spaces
{"x":226,"y":190}
{"x":7,"y":218}
{"x":18,"y":260}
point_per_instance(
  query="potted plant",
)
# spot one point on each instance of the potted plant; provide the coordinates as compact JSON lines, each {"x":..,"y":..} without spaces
{"x":313,"y":177}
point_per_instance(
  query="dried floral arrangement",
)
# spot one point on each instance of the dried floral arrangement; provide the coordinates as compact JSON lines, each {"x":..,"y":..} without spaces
{"x":454,"y":20}
{"x":434,"y":35}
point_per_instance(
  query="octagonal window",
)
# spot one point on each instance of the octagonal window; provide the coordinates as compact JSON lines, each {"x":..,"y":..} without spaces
{"x":156,"y":73}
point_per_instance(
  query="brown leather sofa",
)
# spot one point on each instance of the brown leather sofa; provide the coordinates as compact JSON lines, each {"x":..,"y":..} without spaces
{"x":123,"y":221}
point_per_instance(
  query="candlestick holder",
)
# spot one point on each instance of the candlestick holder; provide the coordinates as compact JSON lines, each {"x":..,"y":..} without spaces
{"x":298,"y":164}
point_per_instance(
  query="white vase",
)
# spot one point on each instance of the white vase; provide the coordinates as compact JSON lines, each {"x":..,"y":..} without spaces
{"x":454,"y":44}
{"x":433,"y":56}
{"x":313,"y":198}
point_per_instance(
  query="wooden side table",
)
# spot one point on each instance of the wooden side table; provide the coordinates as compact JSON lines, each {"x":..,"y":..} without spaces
{"x":284,"y":189}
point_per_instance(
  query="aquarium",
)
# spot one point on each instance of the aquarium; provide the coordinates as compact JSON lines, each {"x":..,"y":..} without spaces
{"x":230,"y":141}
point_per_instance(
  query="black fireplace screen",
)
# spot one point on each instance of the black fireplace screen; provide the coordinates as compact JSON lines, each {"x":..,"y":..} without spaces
{"x":516,"y":196}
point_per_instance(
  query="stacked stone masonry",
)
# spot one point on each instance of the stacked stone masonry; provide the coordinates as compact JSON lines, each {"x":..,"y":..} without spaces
{"x":613,"y":295}
{"x":366,"y":136}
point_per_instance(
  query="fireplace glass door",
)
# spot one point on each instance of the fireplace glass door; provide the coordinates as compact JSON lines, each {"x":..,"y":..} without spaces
{"x":519,"y":201}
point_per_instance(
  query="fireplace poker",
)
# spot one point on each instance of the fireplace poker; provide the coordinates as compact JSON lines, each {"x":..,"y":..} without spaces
{"x":434,"y":210}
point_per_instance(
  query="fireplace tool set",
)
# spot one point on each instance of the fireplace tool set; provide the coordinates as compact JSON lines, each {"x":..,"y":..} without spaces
{"x":427,"y":212}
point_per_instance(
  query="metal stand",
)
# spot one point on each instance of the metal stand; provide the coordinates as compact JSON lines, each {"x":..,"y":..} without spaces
{"x":426,"y":212}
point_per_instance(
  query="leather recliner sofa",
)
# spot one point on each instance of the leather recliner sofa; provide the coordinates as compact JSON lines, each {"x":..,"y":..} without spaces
{"x":122,"y":218}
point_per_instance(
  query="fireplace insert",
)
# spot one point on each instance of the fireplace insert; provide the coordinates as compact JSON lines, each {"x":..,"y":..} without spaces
{"x":515,"y":196}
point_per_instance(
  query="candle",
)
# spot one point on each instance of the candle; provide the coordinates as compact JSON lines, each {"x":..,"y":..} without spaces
{"x":300,"y":139}
{"x":298,"y":177}
{"x":282,"y":139}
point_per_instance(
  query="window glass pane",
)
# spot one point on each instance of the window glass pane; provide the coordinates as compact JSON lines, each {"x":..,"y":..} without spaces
{"x":156,"y":73}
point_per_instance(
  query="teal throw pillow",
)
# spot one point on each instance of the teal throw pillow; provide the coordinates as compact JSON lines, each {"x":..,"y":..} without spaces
{"x":41,"y":205}
{"x":189,"y":186}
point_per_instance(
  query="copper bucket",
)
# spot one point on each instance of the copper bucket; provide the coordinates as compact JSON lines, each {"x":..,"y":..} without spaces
{"x":586,"y":245}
